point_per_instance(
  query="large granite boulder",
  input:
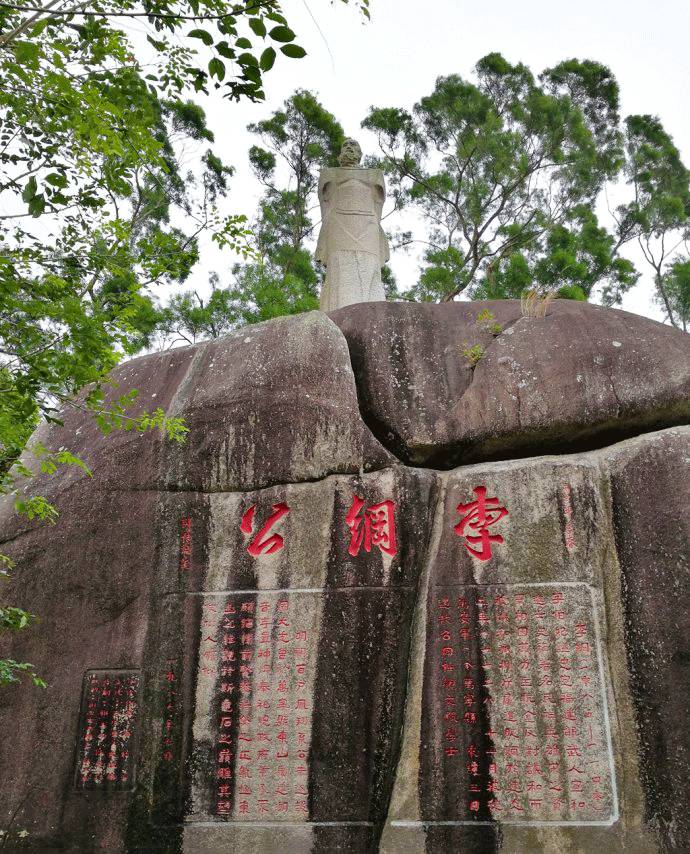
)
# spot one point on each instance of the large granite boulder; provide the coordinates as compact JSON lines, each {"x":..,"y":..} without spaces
{"x":360,"y":610}
{"x":581,"y":377}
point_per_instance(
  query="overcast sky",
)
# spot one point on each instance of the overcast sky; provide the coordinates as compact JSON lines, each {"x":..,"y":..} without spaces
{"x":394,"y":59}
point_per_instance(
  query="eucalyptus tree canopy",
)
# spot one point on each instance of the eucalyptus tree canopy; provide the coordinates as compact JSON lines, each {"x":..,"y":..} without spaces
{"x":506,"y":172}
{"x":657,"y":215}
{"x":295,"y":142}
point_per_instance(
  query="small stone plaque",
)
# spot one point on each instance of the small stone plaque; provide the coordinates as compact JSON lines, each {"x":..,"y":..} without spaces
{"x":519,"y":712}
{"x":107,"y":729}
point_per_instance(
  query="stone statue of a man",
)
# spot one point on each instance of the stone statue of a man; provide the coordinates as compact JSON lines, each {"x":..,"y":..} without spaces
{"x":351,"y":242}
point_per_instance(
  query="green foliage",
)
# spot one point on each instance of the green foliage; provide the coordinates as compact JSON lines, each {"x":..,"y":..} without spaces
{"x":472,"y":353}
{"x":89,"y":187}
{"x":654,"y":167}
{"x":296,"y":142}
{"x":188,"y":318}
{"x":503,"y":169}
{"x":674,"y":294}
{"x":98,"y":150}
{"x":14,"y":620}
{"x":572,"y":292}
{"x":507,"y":172}
{"x":486,"y":321}
{"x":264,"y":291}
{"x":11,"y":670}
{"x":390,"y":285}
{"x":216,"y":51}
{"x":658,"y":215}
{"x":74,"y":291}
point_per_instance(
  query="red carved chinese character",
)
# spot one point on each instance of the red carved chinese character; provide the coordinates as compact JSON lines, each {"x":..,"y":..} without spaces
{"x":478,"y":516}
{"x":185,"y":542}
{"x":373,"y":525}
{"x":262,"y":543}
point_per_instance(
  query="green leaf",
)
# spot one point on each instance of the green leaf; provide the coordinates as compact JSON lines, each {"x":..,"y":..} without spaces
{"x":268,"y":57}
{"x":57,"y":179}
{"x":281,"y":34}
{"x":225,"y":26}
{"x":293,"y":50}
{"x":9,"y":668}
{"x":36,"y":508}
{"x":30,"y":189}
{"x":205,"y":36}
{"x":26,"y":53}
{"x":37,"y":205}
{"x":258,"y":27}
{"x":224,"y":49}
{"x":157,"y":44}
{"x":38,"y":28}
{"x":244,"y":43}
{"x":251,"y":72}
{"x":247,"y":59}
{"x":216,"y":68}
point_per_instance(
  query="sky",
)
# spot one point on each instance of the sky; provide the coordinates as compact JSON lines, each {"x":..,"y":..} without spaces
{"x":395,"y":58}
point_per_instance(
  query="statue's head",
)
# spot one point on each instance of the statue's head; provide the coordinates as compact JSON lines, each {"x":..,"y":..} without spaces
{"x":350,"y":153}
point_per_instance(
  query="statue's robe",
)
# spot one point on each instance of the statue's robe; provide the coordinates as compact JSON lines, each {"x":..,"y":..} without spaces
{"x":351,"y":244}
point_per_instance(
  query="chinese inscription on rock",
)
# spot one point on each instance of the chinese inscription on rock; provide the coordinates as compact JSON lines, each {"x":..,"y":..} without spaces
{"x":520,"y":715}
{"x":109,"y":713}
{"x":185,"y":543}
{"x":371,"y":526}
{"x":255,"y":653}
{"x":476,"y":517}
{"x":169,"y":730}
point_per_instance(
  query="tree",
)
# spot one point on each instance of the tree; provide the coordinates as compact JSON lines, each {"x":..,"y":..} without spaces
{"x":674,"y":293}
{"x":506,"y":172}
{"x":88,"y":183}
{"x":305,"y":137}
{"x":658,"y":215}
{"x":90,"y":187}
{"x":297,"y":141}
{"x":244,"y":34}
{"x":189,"y":317}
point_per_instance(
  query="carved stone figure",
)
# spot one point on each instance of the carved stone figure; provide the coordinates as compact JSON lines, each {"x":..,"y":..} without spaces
{"x":351,"y":242}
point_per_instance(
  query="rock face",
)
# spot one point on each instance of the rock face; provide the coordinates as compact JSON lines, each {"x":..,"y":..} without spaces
{"x":581,"y":377}
{"x":292,"y":634}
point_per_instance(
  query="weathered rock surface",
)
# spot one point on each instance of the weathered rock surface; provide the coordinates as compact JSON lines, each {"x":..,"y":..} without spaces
{"x":274,"y":403}
{"x":559,"y":540}
{"x":581,"y":377}
{"x":259,"y":616}
{"x":650,"y":484}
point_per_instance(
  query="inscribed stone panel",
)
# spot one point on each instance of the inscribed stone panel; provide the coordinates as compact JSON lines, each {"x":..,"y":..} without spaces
{"x":293,"y":688}
{"x":516,"y":713}
{"x":107,"y":729}
{"x":257,"y":663}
